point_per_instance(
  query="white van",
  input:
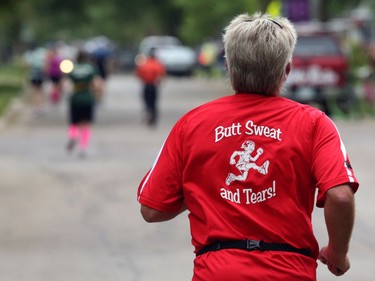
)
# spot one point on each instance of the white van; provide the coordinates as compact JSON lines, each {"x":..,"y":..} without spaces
{"x":178,"y":59}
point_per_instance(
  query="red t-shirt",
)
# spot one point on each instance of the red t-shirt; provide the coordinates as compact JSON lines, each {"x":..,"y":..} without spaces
{"x":150,"y":71}
{"x":248,"y":166}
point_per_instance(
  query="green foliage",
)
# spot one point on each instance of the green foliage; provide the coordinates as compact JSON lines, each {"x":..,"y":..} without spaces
{"x":7,"y":94}
{"x":358,"y":56}
{"x":125,"y":21}
{"x":206,"y":19}
{"x":11,"y":83}
{"x":332,"y":8}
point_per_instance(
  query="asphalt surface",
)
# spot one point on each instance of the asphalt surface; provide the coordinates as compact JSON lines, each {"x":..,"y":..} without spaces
{"x":63,"y":217}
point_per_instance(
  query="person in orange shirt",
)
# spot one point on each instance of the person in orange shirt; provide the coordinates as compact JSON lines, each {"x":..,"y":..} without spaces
{"x":150,"y":72}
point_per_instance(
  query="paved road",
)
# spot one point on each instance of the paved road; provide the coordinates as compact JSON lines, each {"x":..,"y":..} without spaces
{"x":67,"y":218}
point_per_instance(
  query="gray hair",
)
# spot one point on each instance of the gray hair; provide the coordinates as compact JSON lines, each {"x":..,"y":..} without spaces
{"x":258,"y":50}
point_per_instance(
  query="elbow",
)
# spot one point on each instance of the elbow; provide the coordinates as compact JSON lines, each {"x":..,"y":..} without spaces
{"x":152,"y":215}
{"x":340,"y":196}
{"x":148,"y":218}
{"x":149,"y":215}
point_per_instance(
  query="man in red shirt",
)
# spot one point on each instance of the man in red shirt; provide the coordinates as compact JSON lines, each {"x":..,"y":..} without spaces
{"x":150,"y":71}
{"x":247,"y":167}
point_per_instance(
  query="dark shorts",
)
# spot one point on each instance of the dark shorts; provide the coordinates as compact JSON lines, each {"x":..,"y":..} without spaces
{"x":36,"y":82}
{"x":81,"y":113}
{"x":36,"y":78}
{"x":150,"y":95}
{"x":55,"y":79}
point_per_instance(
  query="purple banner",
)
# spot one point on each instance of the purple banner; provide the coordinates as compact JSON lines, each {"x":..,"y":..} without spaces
{"x":297,"y":10}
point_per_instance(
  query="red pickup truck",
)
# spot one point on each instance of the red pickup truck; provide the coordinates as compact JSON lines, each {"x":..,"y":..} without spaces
{"x":319,"y":70}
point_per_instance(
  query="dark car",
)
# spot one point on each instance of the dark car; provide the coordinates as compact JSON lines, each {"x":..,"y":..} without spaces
{"x":319,"y":70}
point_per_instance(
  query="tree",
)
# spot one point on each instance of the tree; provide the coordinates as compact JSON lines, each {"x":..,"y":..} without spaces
{"x":206,"y":19}
{"x":10,"y":26}
{"x":126,"y":21}
{"x":330,"y":9}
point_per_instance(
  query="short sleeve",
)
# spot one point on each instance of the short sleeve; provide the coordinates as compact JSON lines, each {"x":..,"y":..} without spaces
{"x":161,"y":188}
{"x":331,"y":165}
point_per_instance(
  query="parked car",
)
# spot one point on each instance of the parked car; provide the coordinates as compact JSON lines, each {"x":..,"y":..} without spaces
{"x":177,"y":58}
{"x":319,"y":70}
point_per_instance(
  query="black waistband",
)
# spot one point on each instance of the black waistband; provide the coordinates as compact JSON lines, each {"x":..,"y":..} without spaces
{"x":251,"y":245}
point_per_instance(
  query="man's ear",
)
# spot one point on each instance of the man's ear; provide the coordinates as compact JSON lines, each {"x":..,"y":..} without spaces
{"x":288,"y":68}
{"x":287,"y":71}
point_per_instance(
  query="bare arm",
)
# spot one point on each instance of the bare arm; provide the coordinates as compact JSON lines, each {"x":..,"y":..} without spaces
{"x":339,"y":209}
{"x":97,"y":86}
{"x":152,"y":215}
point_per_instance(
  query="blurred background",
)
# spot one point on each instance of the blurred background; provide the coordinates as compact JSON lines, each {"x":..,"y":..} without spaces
{"x":63,"y":217}
{"x":114,"y":30}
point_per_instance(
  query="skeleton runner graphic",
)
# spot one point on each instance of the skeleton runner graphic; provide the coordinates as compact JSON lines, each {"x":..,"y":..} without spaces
{"x":246,"y":162}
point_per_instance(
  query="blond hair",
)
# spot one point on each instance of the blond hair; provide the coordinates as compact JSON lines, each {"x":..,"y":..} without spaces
{"x":258,"y":50}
